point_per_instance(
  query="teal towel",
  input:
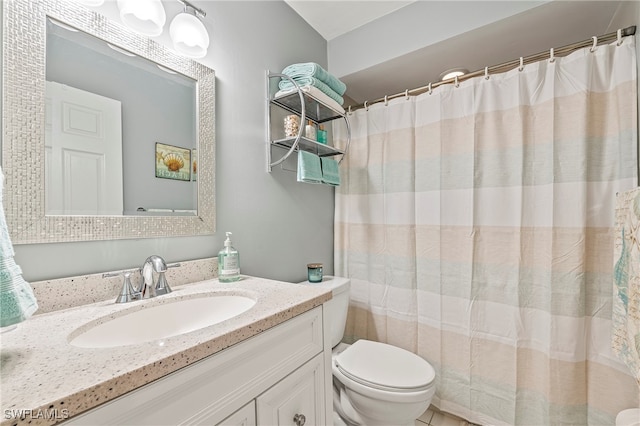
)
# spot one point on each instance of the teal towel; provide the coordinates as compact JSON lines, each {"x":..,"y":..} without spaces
{"x":330,"y":171}
{"x":311,"y":69}
{"x":309,"y":170}
{"x":17,"y":302}
{"x":312,"y":81}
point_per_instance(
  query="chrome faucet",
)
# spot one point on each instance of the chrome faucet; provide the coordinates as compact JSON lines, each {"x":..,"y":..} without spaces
{"x":148,"y":288}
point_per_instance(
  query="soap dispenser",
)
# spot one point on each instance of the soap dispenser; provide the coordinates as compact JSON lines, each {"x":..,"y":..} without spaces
{"x":228,"y":262}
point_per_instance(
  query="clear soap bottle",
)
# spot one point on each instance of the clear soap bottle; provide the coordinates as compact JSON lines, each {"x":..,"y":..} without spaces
{"x":228,"y":262}
{"x":310,"y":131}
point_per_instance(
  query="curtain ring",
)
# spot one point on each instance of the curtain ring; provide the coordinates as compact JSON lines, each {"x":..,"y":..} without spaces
{"x":551,"y":56}
{"x":521,"y":67}
{"x":619,"y":37}
{"x":366,"y":107}
{"x":406,"y":93}
{"x":349,"y":111}
{"x":430,"y":91}
{"x":455,"y":81}
{"x":594,"y":45}
{"x":386,"y":101}
{"x":486,"y":73}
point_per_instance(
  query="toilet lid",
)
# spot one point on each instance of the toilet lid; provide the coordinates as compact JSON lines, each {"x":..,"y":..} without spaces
{"x":384,"y":366}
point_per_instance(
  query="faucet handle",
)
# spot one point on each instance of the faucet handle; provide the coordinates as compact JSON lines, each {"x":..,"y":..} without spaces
{"x":127,"y":293}
{"x":162,"y":286}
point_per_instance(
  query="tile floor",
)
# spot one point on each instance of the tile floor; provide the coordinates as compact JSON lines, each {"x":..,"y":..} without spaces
{"x":434,"y":417}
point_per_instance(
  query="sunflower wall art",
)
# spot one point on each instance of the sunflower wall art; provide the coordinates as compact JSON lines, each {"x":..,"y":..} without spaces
{"x":173,"y":162}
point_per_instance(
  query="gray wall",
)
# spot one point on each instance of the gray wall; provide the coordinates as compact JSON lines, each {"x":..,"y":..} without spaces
{"x":278,"y":225}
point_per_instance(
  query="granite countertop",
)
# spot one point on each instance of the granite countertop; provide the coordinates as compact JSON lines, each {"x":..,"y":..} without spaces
{"x":44,"y":379}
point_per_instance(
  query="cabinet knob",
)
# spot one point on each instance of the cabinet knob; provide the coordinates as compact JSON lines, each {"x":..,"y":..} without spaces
{"x":299,"y":419}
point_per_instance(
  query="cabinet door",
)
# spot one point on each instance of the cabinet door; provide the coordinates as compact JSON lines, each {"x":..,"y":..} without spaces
{"x":246,"y":416}
{"x":297,"y":399}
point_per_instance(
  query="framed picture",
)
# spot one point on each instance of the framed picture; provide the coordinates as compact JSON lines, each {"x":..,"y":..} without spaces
{"x":194,"y":164}
{"x":173,"y":162}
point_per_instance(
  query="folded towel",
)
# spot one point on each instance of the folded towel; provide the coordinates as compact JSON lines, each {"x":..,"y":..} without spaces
{"x":17,"y":302}
{"x":625,"y":339}
{"x":330,"y":171}
{"x":316,"y":93}
{"x":309,"y":170}
{"x":311,"y":81}
{"x":311,"y":69}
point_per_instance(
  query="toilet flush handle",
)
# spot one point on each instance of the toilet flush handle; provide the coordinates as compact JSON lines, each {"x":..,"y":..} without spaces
{"x":299,"y":419}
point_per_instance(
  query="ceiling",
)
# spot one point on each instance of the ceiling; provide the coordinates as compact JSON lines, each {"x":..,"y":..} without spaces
{"x":331,"y":18}
{"x":553,"y":24}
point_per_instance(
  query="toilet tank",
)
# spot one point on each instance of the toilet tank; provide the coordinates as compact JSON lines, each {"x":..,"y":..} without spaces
{"x":336,"y":308}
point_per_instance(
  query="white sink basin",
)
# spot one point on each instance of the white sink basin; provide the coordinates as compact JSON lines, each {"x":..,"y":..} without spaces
{"x":162,"y":321}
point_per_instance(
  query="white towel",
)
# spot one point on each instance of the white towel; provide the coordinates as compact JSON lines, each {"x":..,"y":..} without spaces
{"x":316,"y":93}
{"x":17,"y":302}
{"x":626,"y":286}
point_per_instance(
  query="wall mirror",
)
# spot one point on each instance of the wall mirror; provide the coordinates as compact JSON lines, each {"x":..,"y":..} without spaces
{"x":86,"y":78}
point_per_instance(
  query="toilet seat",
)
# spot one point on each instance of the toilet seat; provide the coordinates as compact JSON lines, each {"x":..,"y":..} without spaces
{"x":385,"y":367}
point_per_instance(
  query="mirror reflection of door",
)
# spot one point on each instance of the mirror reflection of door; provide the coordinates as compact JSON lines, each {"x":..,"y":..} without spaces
{"x":83,"y":146}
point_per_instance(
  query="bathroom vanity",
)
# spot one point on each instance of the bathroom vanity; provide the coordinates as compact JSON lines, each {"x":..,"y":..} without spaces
{"x":268,"y":365}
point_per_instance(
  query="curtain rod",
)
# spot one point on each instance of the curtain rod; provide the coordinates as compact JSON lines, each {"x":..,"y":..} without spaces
{"x":507,"y":66}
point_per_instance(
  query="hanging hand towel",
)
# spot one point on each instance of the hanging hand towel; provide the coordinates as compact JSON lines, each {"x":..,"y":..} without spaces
{"x":330,"y":172}
{"x":626,"y":286}
{"x":309,"y":170}
{"x":17,"y":302}
{"x":311,"y":69}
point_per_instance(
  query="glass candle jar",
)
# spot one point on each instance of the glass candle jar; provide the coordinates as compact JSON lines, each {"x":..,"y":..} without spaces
{"x":291,"y":126}
{"x":314,"y":272}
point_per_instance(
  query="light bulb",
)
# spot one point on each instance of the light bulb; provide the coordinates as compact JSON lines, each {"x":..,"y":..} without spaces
{"x":456,"y":72}
{"x":143,"y":16}
{"x":189,"y":35}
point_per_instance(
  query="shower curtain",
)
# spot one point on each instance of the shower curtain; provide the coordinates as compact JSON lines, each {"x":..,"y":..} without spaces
{"x":476,"y":225}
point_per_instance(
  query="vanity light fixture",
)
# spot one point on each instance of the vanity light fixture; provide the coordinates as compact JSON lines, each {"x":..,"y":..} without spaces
{"x":146,"y":17}
{"x":167,"y":70}
{"x":120,"y":50}
{"x":63,"y":26}
{"x":188,"y":33}
{"x":452,"y":73}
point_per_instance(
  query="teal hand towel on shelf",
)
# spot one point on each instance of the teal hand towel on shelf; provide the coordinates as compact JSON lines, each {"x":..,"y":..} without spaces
{"x":309,"y":170}
{"x":311,"y":69}
{"x":330,"y":172}
{"x":17,"y":302}
{"x":313,"y":82}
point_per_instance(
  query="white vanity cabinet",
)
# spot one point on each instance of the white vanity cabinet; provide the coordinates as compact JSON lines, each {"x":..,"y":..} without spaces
{"x":297,"y":400}
{"x":271,"y":378}
{"x":246,"y":416}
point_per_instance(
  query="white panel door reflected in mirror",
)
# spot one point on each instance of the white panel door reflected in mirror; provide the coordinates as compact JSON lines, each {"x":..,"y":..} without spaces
{"x":83,"y":152}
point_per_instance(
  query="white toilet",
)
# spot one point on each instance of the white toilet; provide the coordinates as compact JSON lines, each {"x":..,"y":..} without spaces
{"x":374,"y":383}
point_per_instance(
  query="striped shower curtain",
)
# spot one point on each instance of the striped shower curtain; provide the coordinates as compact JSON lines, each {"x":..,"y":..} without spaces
{"x":476,"y":224}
